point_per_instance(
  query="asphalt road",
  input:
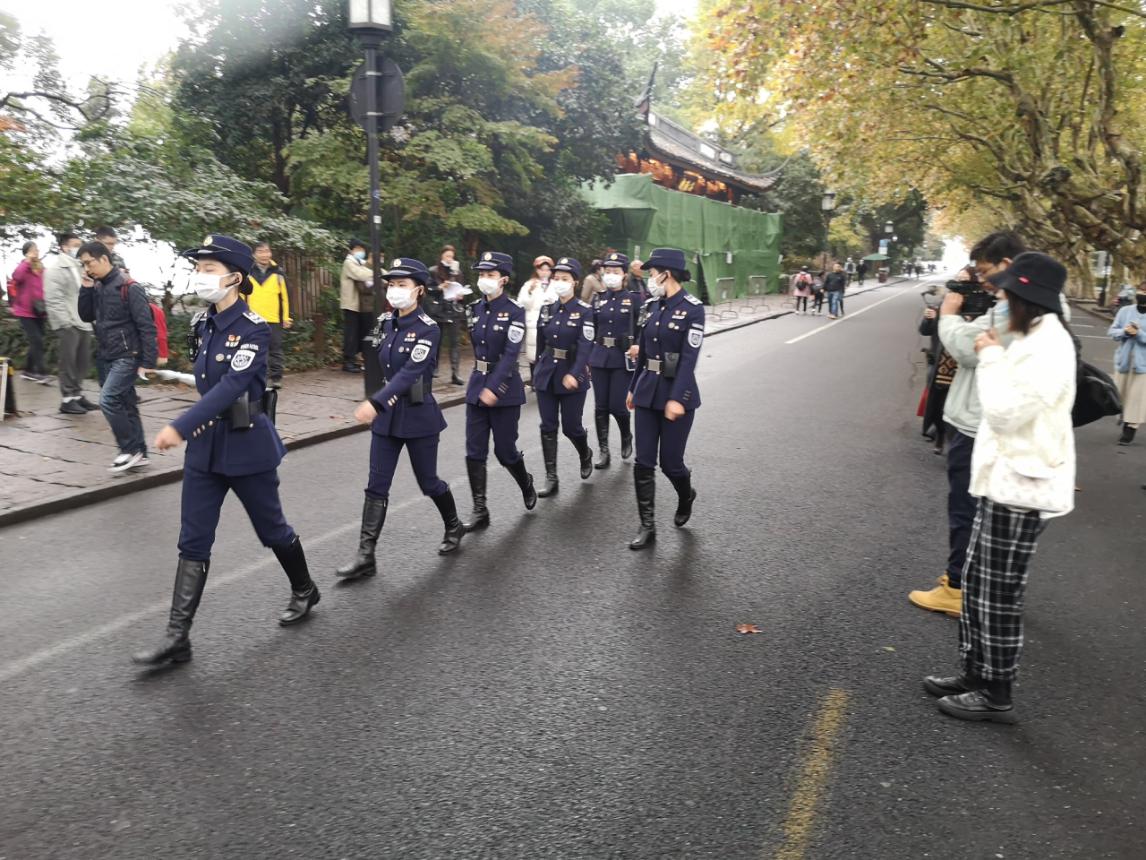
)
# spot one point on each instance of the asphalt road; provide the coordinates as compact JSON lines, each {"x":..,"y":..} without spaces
{"x":548,"y":693}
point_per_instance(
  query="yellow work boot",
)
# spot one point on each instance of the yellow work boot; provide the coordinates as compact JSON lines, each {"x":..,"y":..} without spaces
{"x":943,"y":598}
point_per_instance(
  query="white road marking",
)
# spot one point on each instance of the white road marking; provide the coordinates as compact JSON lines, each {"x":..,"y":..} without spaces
{"x":905,"y":292}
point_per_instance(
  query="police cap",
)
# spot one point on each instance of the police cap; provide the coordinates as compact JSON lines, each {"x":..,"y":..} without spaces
{"x":666,"y":258}
{"x":616,"y":260}
{"x":408,"y":267}
{"x":226,"y":250}
{"x":568,"y":264}
{"x":495,"y":261}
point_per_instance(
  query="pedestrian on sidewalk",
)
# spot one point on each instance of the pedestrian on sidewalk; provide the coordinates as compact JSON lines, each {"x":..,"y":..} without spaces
{"x":615,"y":316}
{"x":355,"y":295}
{"x":62,"y":278}
{"x":963,"y":415}
{"x":834,"y":285}
{"x":535,"y":294}
{"x":801,"y":288}
{"x":270,"y":300}
{"x":107,"y":237}
{"x":404,"y":414}
{"x":1129,"y":331}
{"x":593,"y":285}
{"x":850,"y":270}
{"x":496,"y":391}
{"x":232,"y":444}
{"x":861,"y":271}
{"x":561,"y":379}
{"x":1023,"y":474}
{"x":126,"y":340}
{"x":26,"y":301}
{"x":445,"y":305}
{"x":664,"y":395}
{"x":818,"y":293}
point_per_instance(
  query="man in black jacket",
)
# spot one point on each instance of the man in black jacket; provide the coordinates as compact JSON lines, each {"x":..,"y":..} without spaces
{"x":126,"y":342}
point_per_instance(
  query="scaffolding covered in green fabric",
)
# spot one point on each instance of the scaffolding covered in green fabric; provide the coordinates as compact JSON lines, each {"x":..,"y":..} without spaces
{"x":731,"y":244}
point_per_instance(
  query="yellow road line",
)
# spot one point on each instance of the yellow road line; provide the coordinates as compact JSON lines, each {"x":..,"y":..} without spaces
{"x":814,"y":774}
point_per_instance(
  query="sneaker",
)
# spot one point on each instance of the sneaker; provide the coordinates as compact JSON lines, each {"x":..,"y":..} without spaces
{"x":72,"y":407}
{"x":118,"y":461}
{"x":133,"y":461}
{"x":38,"y":378}
{"x":87,"y":404}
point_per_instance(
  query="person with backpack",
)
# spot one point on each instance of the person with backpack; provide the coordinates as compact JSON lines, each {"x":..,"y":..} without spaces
{"x":127,"y":343}
{"x":801,"y":287}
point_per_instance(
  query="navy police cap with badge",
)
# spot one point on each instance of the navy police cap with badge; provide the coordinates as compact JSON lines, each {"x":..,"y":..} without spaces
{"x":495,"y":261}
{"x":230,"y":252}
{"x":666,"y":258}
{"x":568,"y":264}
{"x":408,"y":267}
{"x":616,"y":260}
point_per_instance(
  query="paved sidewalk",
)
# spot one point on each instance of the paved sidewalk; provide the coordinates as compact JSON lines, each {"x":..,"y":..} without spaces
{"x":51,"y":462}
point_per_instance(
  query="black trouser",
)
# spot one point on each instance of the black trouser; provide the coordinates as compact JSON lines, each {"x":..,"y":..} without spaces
{"x":802,"y":303}
{"x":818,"y":304}
{"x":275,"y":354}
{"x":34,"y":332}
{"x":355,"y":326}
{"x":450,"y":339}
{"x":960,"y":504}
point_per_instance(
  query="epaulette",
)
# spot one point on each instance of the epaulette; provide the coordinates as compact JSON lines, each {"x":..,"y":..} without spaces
{"x":253,"y":317}
{"x":584,"y":304}
{"x":386,"y":317}
{"x":689,"y":297}
{"x":426,"y":320}
{"x":198,"y":319}
{"x":650,"y":301}
{"x":513,"y":302}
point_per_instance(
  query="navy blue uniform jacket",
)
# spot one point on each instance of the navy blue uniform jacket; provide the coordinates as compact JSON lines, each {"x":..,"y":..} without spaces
{"x":615,"y":315}
{"x":498,"y":334}
{"x":569,"y":327}
{"x":408,"y":352}
{"x":232,"y":363}
{"x":673,"y":325}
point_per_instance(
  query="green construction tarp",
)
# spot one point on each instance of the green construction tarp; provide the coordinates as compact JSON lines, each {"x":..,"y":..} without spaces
{"x":738,"y":250}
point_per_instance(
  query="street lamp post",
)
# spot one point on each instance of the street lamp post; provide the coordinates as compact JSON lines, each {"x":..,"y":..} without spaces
{"x":828,"y":206}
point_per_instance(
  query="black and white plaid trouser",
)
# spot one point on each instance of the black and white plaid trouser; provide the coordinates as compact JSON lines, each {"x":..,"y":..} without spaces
{"x":1003,"y":541}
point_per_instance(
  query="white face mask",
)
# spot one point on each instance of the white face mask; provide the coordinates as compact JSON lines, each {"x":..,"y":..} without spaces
{"x":400,"y":298}
{"x":72,"y":252}
{"x":656,"y":286}
{"x":612,"y":280}
{"x":564,"y":289}
{"x":209,"y":287}
{"x":489,"y":286}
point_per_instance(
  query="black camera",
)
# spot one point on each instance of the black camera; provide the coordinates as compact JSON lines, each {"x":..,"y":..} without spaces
{"x":976,"y":300}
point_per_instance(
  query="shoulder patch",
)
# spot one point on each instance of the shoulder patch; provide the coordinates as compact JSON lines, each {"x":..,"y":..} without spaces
{"x":513,"y":302}
{"x":427,"y":320}
{"x":689,"y":297}
{"x":253,"y":317}
{"x":420,"y":352}
{"x":583,"y":304}
{"x":200,"y":317}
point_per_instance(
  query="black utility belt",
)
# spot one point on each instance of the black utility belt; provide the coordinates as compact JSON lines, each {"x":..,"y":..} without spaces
{"x":614,"y":342}
{"x":666,"y":366}
{"x":242,"y":413}
{"x":416,"y":396}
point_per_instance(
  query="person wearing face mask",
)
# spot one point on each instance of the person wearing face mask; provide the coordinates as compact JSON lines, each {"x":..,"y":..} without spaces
{"x":664,"y":395}
{"x":534,"y":295}
{"x":356,"y":299}
{"x":1129,"y":332}
{"x":615,"y":314}
{"x":496,"y":392}
{"x":232,"y":444}
{"x":561,"y":378}
{"x":403,"y":414}
{"x":62,"y":279}
{"x":593,"y":283}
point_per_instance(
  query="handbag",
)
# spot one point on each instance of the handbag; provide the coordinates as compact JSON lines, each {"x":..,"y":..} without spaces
{"x":1009,"y":487}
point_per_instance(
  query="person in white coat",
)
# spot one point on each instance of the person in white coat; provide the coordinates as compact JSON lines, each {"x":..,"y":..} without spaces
{"x":535,"y":293}
{"x":1022,"y":473}
{"x":62,"y":277}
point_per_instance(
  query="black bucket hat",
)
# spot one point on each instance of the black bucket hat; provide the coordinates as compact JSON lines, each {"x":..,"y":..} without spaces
{"x":1037,"y":278}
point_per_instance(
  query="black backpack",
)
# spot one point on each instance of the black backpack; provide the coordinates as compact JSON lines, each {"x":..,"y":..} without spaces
{"x":1096,"y":396}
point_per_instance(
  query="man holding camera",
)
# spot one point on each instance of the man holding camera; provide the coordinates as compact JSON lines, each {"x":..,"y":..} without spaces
{"x":967,"y":311}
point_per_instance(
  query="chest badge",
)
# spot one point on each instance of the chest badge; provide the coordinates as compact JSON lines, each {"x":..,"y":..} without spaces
{"x":220,"y":357}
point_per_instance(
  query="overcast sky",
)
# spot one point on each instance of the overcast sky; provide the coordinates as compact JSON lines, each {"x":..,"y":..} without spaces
{"x":116,"y":37}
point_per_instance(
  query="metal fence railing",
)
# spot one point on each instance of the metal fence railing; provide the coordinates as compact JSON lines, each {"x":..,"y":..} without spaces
{"x":306,"y":279}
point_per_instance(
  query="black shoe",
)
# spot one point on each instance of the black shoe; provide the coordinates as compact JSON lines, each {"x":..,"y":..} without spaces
{"x":350,"y":367}
{"x":581,"y":443}
{"x":479,"y":519}
{"x":276,"y":384}
{"x":190,"y":580}
{"x":457,"y":380}
{"x":645,"y":481}
{"x":455,"y":531}
{"x":978,"y":706}
{"x":626,"y":437}
{"x":524,"y":482}
{"x":73,"y":407}
{"x":87,"y":404}
{"x":373,"y":518}
{"x":304,"y":593}
{"x":939,"y":686}
{"x":1127,"y":434}
{"x":686,"y":495}
{"x":549,"y":454}
{"x":300,"y":605}
{"x":602,"y":419}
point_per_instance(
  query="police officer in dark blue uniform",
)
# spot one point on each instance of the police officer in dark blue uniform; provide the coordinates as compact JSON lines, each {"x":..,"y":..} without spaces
{"x":231,"y":443}
{"x":615,"y":315}
{"x":403,"y":414}
{"x":496,"y":391}
{"x":664,"y":394}
{"x":561,"y":377}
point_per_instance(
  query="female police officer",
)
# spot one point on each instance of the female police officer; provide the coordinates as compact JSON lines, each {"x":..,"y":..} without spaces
{"x":561,"y":377}
{"x":231,"y":443}
{"x":404,"y":414}
{"x":615,"y":313}
{"x":496,"y":392}
{"x":663,"y":392}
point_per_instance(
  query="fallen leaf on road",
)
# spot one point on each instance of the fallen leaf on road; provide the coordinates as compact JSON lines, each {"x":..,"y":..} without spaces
{"x":888,"y":648}
{"x":748,"y":628}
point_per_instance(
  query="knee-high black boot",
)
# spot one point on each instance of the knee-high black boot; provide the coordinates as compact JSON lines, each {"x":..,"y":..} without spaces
{"x":190,"y":580}
{"x":685,"y":495}
{"x":581,"y":443}
{"x":602,"y":440}
{"x":623,"y":422}
{"x":303,"y":592}
{"x":479,"y":519}
{"x":549,"y":454}
{"x":525,"y":482}
{"x":452,"y":539}
{"x":645,"y":480}
{"x":373,"y":518}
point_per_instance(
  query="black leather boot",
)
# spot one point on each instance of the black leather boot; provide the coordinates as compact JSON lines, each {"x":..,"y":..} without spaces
{"x":991,"y":703}
{"x":525,"y":482}
{"x":455,"y":531}
{"x":1127,"y":434}
{"x":455,"y":379}
{"x":190,"y":580}
{"x":645,"y":480}
{"x":941,"y":686}
{"x":626,"y":436}
{"x":303,"y":592}
{"x":602,"y":440}
{"x":581,"y":443}
{"x":549,"y":454}
{"x":479,"y":519}
{"x":685,"y":495}
{"x":373,"y":518}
